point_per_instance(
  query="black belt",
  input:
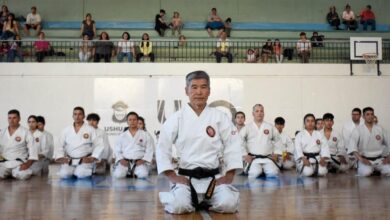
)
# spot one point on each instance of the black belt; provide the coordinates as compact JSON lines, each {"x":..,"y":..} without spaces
{"x":257,"y":156}
{"x":80,"y":158}
{"x":5,"y":160}
{"x":131,"y":167}
{"x":200,"y":173}
{"x":372,"y":158}
{"x":333,"y":157}
{"x":314,"y":156}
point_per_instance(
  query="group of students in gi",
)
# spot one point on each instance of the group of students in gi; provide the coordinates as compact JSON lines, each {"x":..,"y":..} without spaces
{"x":210,"y":149}
{"x":267,"y":149}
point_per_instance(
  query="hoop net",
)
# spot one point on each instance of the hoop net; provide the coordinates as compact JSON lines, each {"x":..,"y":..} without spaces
{"x":370,"y":59}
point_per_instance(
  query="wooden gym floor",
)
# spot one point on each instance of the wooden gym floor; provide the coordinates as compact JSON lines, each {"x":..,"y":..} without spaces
{"x":338,"y":196}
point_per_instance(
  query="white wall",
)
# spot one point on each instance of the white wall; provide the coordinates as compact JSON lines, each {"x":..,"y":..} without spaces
{"x":288,"y":90}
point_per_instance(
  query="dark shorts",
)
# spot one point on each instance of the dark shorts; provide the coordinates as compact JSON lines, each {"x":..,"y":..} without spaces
{"x":29,"y":26}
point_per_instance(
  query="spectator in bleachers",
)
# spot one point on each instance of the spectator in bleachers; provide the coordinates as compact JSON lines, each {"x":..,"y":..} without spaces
{"x":4,"y":49}
{"x":317,"y":40}
{"x":367,"y":18}
{"x":103,"y":49}
{"x":266,"y":51}
{"x":214,"y":22}
{"x":182,"y":41}
{"x":160,"y":23}
{"x":16,"y":50}
{"x":349,"y":19}
{"x":228,"y":26}
{"x":33,"y":21}
{"x":223,"y":49}
{"x":145,"y":48}
{"x":3,"y":17}
{"x":250,"y":56}
{"x":333,"y":18}
{"x":88,"y":27}
{"x":86,"y":46}
{"x":125,"y":48}
{"x":42,"y":47}
{"x":303,"y":48}
{"x":278,"y":51}
{"x":176,"y":23}
{"x":10,"y":27}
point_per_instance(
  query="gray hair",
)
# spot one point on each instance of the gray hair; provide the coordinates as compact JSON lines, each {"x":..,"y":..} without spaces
{"x":199,"y":74}
{"x":257,"y":105}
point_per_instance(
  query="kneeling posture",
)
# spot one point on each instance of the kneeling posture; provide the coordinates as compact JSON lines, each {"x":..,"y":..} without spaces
{"x":284,"y":149}
{"x":133,"y":151}
{"x":311,"y":150}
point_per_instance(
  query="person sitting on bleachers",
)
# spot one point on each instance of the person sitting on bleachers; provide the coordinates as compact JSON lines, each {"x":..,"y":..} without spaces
{"x":228,"y":26}
{"x":214,"y":22}
{"x":182,"y":41}
{"x":333,"y":18}
{"x":316,"y":40}
{"x":250,"y":56}
{"x":303,"y":48}
{"x":349,"y":19}
{"x":145,"y":48}
{"x":10,"y":27}
{"x":223,"y":47}
{"x":266,"y":51}
{"x":85,"y":51}
{"x":4,"y":49}
{"x":16,"y":50}
{"x":103,"y":48}
{"x":367,"y":17}
{"x":125,"y":48}
{"x":176,"y":23}
{"x":88,"y":27}
{"x":42,"y":47}
{"x":33,"y":21}
{"x":160,"y":24}
{"x":278,"y":51}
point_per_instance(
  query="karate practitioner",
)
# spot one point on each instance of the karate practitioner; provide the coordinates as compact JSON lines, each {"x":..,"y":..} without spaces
{"x":319,"y":124}
{"x":142,"y":126}
{"x":311,"y":150}
{"x":285,"y":154}
{"x":17,"y":152}
{"x":338,"y":154}
{"x":348,"y":127}
{"x":200,"y":133}
{"x":133,"y":151}
{"x":370,"y":145}
{"x":79,"y":148}
{"x":239,"y":118}
{"x":41,"y":122}
{"x":258,"y":146}
{"x":103,"y":165}
{"x":39,"y":142}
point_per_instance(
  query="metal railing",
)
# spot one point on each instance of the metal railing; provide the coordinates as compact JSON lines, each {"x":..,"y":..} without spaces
{"x":198,"y":51}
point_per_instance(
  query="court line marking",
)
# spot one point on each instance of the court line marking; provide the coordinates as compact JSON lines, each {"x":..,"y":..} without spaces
{"x":205,"y":215}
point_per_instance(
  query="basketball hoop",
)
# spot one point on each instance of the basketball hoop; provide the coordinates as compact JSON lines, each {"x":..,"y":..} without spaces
{"x":370,"y":59}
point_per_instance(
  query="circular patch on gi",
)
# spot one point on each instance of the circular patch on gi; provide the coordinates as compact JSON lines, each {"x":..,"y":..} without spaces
{"x":266,"y":131}
{"x":18,"y":139}
{"x":378,"y":137}
{"x":318,"y":142}
{"x":334,"y":139}
{"x":86,"y":136}
{"x":140,"y":140}
{"x":234,"y":132}
{"x":37,"y":140}
{"x":210,"y":131}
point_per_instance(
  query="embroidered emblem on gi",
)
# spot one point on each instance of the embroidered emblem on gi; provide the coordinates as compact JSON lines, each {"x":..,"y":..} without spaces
{"x":266,"y":131}
{"x":18,"y":139}
{"x":86,"y":136}
{"x":36,"y":139}
{"x":378,"y":137}
{"x":318,"y":142}
{"x":210,"y":131}
{"x":334,"y":139}
{"x":234,"y":132}
{"x":140,"y":140}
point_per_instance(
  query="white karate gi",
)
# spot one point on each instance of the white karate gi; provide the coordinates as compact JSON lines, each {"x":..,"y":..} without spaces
{"x":41,"y":143}
{"x":136,"y":147}
{"x":78,"y":145}
{"x":370,"y":144}
{"x":336,"y":149}
{"x":16,"y":150}
{"x":286,"y":146}
{"x":347,"y":132}
{"x":260,"y":141}
{"x":314,"y":143}
{"x":199,"y":141}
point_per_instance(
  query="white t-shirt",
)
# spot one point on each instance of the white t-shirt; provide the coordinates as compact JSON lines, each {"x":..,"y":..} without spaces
{"x":33,"y":19}
{"x":348,"y":16}
{"x":126,"y":46}
{"x":303,"y":45}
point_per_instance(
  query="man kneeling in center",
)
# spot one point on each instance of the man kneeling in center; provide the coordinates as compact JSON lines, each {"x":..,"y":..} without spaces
{"x":200,"y":133}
